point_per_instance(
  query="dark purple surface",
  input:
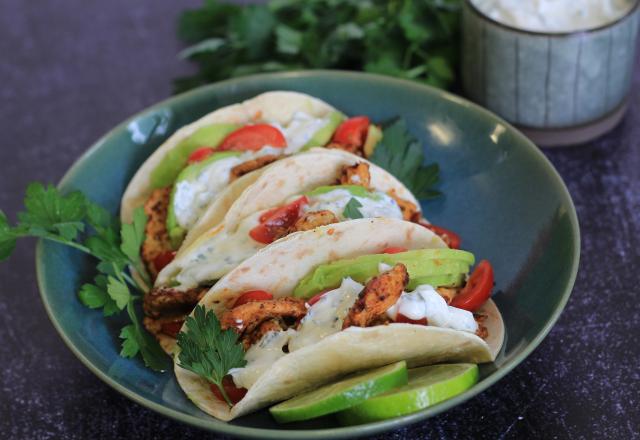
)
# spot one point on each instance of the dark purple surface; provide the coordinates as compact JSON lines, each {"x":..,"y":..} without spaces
{"x":69,"y":71}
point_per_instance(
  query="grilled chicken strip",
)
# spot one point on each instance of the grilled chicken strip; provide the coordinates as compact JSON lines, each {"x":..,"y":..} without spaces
{"x":246,"y":318}
{"x":312,"y":220}
{"x":156,"y":241}
{"x":168,"y":301}
{"x":357,"y":174}
{"x":251,"y":165}
{"x":380,"y":293}
{"x":409,"y":210}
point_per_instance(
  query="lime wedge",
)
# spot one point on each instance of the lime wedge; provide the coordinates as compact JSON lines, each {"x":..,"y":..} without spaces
{"x":334,"y":397}
{"x":427,"y":386}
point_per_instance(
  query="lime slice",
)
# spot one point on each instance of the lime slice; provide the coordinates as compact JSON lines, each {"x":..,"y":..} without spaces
{"x":334,"y":397}
{"x":427,"y":386}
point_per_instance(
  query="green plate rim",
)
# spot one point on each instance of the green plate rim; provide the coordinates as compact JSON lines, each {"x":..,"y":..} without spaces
{"x":342,"y":432}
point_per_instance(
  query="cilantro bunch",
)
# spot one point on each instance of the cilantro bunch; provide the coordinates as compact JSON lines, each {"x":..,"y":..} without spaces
{"x":75,"y":221}
{"x":412,"y":39}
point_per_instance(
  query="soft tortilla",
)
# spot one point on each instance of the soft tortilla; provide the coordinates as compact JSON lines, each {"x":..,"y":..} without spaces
{"x":275,"y":106}
{"x":279,"y":267}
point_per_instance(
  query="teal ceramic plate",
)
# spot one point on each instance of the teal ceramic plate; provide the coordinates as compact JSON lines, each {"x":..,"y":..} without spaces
{"x":501,"y":195}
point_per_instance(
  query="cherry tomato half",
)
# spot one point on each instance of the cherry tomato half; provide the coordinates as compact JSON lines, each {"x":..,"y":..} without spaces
{"x":451,"y":238}
{"x":477,"y":290}
{"x":252,"y":138}
{"x":234,"y":393}
{"x":394,"y":250}
{"x":403,"y":319}
{"x":353,"y":131}
{"x":281,"y":217}
{"x":252,"y":295}
{"x":200,"y":154}
{"x":171,"y":328}
{"x":163,"y":259}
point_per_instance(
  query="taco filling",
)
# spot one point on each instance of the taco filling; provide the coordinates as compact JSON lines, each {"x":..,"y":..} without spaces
{"x":192,"y":175}
{"x":425,"y":287}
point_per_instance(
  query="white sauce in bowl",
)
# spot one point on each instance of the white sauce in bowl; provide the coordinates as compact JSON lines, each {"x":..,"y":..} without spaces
{"x":554,"y":15}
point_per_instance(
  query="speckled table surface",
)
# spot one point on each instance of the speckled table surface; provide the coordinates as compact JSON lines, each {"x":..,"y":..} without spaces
{"x":69,"y":71}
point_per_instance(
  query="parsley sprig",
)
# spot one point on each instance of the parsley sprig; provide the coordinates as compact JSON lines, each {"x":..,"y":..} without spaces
{"x":416,"y":40}
{"x":402,"y":155}
{"x":75,"y":221}
{"x":209,"y":351}
{"x":351,"y":209}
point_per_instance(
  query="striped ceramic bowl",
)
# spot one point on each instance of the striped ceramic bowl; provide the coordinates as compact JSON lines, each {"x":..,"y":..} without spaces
{"x":559,"y":88}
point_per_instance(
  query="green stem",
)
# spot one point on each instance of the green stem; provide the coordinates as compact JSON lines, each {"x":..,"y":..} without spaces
{"x":224,"y":393}
{"x":68,"y":243}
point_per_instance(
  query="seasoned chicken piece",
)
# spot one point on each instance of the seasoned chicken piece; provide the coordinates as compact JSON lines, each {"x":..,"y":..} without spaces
{"x":378,"y":295}
{"x":354,"y":149}
{"x":357,"y":174}
{"x":448,"y":293}
{"x":246,"y":318}
{"x":156,"y":241}
{"x":409,"y":210}
{"x":251,"y":165}
{"x":270,"y":325}
{"x":312,"y":220}
{"x":168,"y":301}
{"x":164,"y":326}
{"x":482,"y":331}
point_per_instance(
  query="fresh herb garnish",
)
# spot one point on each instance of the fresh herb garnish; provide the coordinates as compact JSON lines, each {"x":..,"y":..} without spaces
{"x":75,"y":221}
{"x":209,"y":351}
{"x":402,"y":155}
{"x":351,"y":209}
{"x":416,"y":40}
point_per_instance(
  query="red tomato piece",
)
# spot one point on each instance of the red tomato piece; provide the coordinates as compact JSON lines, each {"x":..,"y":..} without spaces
{"x":477,"y":290}
{"x":315,"y":298}
{"x":403,"y":319}
{"x":277,"y":218}
{"x":171,"y":328}
{"x":353,"y":131}
{"x":234,"y":393}
{"x":394,"y":250}
{"x":252,"y":138}
{"x":451,"y":238}
{"x":163,"y":259}
{"x":200,"y":154}
{"x":252,"y":295}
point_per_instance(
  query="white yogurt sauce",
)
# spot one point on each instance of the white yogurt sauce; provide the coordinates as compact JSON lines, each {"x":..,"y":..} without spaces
{"x":379,"y":205}
{"x":326,"y":316}
{"x":300,"y":130}
{"x":425,"y":302}
{"x":554,"y":15}
{"x":260,"y":357}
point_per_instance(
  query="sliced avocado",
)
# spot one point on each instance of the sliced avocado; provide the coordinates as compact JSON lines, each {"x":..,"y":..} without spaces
{"x":191,"y":172}
{"x":374,"y":135}
{"x":354,"y":190}
{"x":448,"y":280}
{"x":174,"y":161}
{"x":420,"y":263}
{"x":322,"y":137}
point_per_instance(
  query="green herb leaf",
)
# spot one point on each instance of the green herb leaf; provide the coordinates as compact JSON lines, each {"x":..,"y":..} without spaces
{"x":118,"y":291}
{"x":7,"y":238}
{"x":130,"y":345}
{"x":402,"y":155}
{"x":207,"y":350}
{"x":95,"y":296}
{"x":136,"y":339}
{"x":351,"y":209}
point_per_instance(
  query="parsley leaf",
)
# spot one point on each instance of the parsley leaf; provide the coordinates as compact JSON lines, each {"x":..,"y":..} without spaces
{"x":136,"y":339}
{"x":351,"y":209}
{"x":118,"y":291}
{"x":207,"y":350}
{"x":416,"y":40}
{"x":132,"y":238}
{"x":95,"y":296}
{"x":402,"y":155}
{"x":7,"y":238}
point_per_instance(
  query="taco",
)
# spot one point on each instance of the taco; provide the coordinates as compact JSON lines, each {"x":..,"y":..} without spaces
{"x":193,"y":178}
{"x":299,"y":193}
{"x":359,"y":294}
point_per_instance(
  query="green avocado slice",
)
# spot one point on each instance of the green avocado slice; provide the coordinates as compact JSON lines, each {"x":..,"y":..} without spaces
{"x":175,"y":160}
{"x":191,"y":172}
{"x":374,"y":136}
{"x":420,"y":264}
{"x":354,"y":190}
{"x":322,"y":137}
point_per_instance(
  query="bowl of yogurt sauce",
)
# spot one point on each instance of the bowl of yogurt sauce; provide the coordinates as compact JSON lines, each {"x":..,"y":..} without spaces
{"x":560,"y":70}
